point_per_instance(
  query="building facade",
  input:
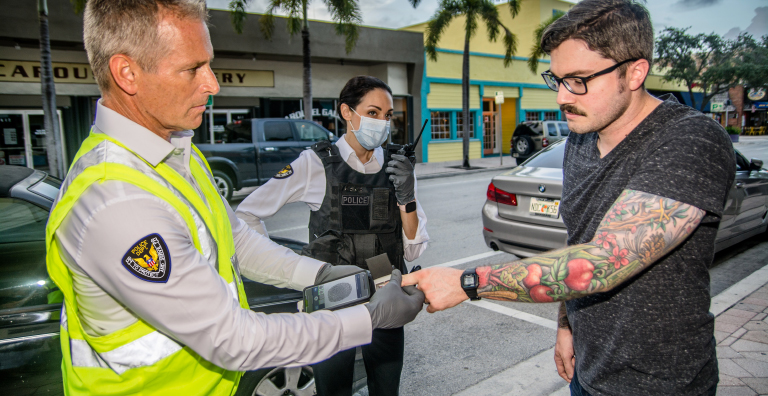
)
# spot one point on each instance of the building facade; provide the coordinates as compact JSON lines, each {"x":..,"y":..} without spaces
{"x":259,"y":78}
{"x":526,"y":96}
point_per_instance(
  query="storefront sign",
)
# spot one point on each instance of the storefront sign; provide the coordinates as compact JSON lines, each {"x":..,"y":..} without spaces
{"x":315,"y":112}
{"x":16,"y":160}
{"x":21,"y":71}
{"x":760,"y":105}
{"x":245,"y":78}
{"x":756,"y":94}
{"x":9,"y":136}
{"x":81,"y":73}
{"x":717,"y":107}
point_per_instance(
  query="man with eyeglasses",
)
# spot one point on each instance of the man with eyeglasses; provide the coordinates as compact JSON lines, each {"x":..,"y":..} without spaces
{"x":641,"y":203}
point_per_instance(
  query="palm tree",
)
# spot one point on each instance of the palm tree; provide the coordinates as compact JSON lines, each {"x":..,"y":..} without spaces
{"x":345,"y":13}
{"x":472,"y":9}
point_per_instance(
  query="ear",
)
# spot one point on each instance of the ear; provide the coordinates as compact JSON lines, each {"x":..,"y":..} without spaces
{"x":125,"y":73}
{"x":637,"y":72}
{"x":346,"y":113}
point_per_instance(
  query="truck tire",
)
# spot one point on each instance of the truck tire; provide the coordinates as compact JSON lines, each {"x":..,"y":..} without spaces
{"x":523,"y":145}
{"x":223,"y":184}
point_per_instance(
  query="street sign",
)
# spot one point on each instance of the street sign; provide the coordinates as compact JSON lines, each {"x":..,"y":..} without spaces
{"x":499,"y":97}
{"x":717,"y":107}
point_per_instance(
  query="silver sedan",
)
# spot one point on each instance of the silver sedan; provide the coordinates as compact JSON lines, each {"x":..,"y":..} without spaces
{"x":522,"y":212}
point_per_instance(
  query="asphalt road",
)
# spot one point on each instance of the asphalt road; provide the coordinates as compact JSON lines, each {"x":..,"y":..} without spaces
{"x":450,"y":351}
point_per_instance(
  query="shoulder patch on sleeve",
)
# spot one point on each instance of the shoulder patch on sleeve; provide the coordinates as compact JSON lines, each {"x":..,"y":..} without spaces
{"x":148,"y":259}
{"x":285,"y":173}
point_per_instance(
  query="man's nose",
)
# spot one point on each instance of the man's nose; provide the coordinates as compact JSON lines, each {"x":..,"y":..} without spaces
{"x":564,"y":96}
{"x":210,"y":84}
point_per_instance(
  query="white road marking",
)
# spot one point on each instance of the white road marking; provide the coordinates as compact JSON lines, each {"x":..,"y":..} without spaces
{"x":467,"y":259}
{"x":514,"y":313}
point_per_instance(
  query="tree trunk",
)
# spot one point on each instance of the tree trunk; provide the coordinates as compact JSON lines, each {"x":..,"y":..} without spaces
{"x":465,"y":101}
{"x":52,"y":136}
{"x":690,"y":94}
{"x":307,"y":68}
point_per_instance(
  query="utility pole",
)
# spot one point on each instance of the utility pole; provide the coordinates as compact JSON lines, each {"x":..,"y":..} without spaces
{"x":51,"y":119}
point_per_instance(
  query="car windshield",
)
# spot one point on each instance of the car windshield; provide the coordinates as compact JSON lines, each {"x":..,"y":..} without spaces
{"x":550,"y":157}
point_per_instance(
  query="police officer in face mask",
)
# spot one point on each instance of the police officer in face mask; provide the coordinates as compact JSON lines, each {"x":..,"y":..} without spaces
{"x":361,"y":208}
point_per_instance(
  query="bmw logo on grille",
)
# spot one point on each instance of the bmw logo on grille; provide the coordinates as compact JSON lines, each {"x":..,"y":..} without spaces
{"x":542,"y":188}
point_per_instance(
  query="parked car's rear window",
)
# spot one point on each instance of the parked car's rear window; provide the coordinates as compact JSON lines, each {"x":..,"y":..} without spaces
{"x":278,"y":131}
{"x":238,"y":132}
{"x":563,"y":126}
{"x":309,"y":132}
{"x":550,"y":157}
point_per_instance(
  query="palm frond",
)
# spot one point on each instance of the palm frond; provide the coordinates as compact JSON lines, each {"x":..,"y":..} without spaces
{"x":510,"y":46}
{"x":238,"y":14}
{"x":490,"y":15}
{"x":347,"y":15}
{"x":514,"y":7}
{"x":437,"y":25}
{"x":536,"y":51}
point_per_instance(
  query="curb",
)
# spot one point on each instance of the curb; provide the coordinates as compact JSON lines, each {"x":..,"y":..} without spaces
{"x":459,"y":173}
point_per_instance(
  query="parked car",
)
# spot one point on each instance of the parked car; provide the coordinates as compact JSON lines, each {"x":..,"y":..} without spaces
{"x":511,"y":222}
{"x":531,"y":136}
{"x":30,"y":304}
{"x":249,"y":152}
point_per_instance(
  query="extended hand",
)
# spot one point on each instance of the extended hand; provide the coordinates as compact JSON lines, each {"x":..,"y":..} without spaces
{"x":442,"y":287}
{"x":400,"y":172}
{"x":564,"y":356}
{"x":394,"y":306}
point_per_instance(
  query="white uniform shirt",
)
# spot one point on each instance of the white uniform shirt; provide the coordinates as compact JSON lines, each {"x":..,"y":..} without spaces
{"x":307,"y":184}
{"x":195,"y":306}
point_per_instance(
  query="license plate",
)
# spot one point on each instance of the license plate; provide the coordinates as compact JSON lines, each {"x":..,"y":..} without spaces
{"x":546,"y":207}
{"x":515,"y":154}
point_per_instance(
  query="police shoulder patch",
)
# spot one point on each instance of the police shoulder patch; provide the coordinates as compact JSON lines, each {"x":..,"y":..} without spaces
{"x":148,"y":259}
{"x":284,"y":173}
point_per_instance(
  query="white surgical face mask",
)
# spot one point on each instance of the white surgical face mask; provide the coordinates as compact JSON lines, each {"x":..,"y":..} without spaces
{"x":372,"y":132}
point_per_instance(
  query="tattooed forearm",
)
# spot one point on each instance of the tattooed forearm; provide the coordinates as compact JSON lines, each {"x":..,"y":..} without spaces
{"x":562,"y":317}
{"x":638,"y":229}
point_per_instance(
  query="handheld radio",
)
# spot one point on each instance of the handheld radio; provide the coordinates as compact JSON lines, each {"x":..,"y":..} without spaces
{"x":408,"y":150}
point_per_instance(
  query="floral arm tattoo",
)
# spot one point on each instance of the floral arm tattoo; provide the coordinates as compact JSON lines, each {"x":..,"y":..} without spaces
{"x":639,"y":229}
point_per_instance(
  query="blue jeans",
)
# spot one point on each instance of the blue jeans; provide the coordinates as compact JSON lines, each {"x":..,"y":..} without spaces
{"x":576,"y":389}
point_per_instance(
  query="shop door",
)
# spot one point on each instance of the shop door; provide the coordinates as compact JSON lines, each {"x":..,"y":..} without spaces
{"x":23,"y":140}
{"x":489,"y":127}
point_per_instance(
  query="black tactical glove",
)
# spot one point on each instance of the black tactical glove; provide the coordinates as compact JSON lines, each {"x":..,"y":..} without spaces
{"x":333,"y":272}
{"x":400,"y":172}
{"x":393,"y":306}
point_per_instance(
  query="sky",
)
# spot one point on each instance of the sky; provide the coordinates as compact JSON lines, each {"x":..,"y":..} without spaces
{"x":727,"y":18}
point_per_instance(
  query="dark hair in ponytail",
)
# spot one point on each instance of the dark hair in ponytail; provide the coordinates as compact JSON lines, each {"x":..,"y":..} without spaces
{"x":357,"y":87}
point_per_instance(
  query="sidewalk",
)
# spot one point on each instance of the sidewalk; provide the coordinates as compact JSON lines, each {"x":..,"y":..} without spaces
{"x":431,"y":170}
{"x":742,"y":346}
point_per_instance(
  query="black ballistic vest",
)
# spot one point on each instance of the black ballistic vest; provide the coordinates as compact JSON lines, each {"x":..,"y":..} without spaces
{"x":359,"y":217}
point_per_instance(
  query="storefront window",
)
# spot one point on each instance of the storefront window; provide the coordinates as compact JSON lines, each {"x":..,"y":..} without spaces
{"x":532,"y":116}
{"x":24,"y":139}
{"x":441,"y":125}
{"x":551,"y":116}
{"x":460,"y":125}
{"x":399,"y":122}
{"x":12,"y":144}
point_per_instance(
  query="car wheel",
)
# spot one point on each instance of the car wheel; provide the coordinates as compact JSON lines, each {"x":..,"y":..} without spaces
{"x":298,"y":381}
{"x":223,"y":184}
{"x":523,"y":145}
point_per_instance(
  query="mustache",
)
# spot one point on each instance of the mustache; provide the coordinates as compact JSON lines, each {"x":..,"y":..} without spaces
{"x":572,"y":109}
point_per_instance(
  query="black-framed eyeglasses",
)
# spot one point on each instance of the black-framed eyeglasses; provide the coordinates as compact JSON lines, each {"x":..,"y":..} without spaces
{"x":576,"y":85}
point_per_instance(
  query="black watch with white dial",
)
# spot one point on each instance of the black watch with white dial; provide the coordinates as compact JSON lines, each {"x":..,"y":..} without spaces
{"x":469,"y":282}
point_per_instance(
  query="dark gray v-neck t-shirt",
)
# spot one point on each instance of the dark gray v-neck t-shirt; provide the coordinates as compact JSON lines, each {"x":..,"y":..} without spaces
{"x":653,"y":334}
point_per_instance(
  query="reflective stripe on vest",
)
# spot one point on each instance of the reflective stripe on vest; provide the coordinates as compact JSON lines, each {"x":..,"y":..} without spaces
{"x":117,"y":363}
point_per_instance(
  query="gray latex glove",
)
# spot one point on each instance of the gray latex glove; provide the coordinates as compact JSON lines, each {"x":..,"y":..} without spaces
{"x":393,"y":306}
{"x":400,"y":172}
{"x":333,"y":272}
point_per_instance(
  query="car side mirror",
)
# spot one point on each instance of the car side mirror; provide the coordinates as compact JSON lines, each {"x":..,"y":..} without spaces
{"x":755,"y":164}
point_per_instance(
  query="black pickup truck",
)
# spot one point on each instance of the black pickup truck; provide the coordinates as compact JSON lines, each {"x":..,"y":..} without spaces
{"x":249,"y":152}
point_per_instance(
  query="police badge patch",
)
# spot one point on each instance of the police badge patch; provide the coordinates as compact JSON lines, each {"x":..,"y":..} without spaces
{"x":286,"y":172}
{"x":148,"y":259}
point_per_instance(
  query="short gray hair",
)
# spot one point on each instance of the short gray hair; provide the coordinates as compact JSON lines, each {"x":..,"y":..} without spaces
{"x":130,"y":27}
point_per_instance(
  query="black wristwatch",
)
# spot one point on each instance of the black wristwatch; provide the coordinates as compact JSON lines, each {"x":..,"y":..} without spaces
{"x":409,"y":207}
{"x":469,"y":282}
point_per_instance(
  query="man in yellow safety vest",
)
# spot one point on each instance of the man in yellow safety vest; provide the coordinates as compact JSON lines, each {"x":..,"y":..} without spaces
{"x":147,"y":253}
